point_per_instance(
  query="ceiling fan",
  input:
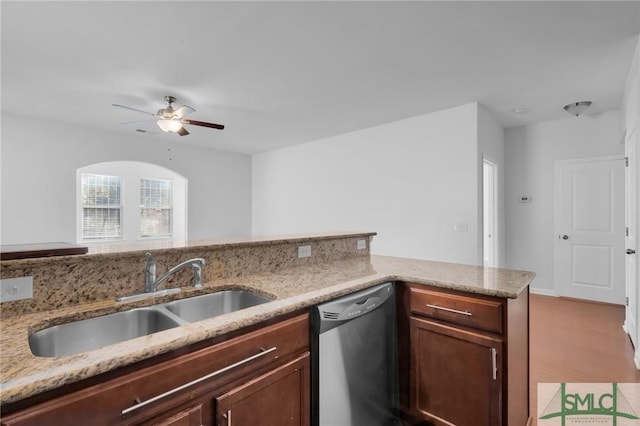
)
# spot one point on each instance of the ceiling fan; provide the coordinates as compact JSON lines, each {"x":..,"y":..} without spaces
{"x":172,"y":119}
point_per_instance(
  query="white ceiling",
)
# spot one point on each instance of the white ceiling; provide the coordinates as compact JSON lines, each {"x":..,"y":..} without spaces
{"x":282,"y":73}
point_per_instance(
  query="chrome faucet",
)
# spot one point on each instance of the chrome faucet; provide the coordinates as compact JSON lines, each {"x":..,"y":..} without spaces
{"x":151,"y":283}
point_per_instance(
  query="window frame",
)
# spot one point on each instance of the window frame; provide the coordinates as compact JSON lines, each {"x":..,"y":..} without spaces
{"x":119,"y":207}
{"x":131,"y":173}
{"x":171,"y":208}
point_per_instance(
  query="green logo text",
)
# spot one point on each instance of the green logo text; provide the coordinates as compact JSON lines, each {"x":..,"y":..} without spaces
{"x":612,"y":404}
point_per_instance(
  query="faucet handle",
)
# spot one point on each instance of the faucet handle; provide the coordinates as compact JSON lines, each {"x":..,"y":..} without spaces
{"x":151,"y":264}
{"x":149,"y":273}
{"x":197,"y":264}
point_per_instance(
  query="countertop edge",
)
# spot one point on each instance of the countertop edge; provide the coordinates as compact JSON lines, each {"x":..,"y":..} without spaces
{"x":102,"y":361}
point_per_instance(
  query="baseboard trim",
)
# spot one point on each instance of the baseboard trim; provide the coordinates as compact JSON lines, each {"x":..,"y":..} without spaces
{"x":543,"y":292}
{"x":596,"y":302}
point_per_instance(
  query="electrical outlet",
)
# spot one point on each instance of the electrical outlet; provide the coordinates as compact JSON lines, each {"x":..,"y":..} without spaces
{"x":16,"y":289}
{"x":304,"y":251}
{"x":361,"y":244}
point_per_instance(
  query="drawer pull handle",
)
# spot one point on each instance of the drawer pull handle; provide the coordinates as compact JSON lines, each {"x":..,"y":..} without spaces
{"x":228,"y":417}
{"x":455,"y":311}
{"x":494,"y":362}
{"x":196,"y":381}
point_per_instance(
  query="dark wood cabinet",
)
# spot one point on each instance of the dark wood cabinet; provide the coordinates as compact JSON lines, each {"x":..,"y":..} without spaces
{"x":277,"y":398}
{"x":463,"y":357}
{"x":192,"y":416}
{"x":182,"y":391}
{"x":450,"y":366}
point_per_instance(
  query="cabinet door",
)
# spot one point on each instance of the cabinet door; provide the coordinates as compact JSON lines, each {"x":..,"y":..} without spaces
{"x":277,"y":398}
{"x":455,"y":375}
{"x":189,"y":417}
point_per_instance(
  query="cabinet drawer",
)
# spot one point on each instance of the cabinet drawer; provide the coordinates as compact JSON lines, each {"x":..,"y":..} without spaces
{"x":470,"y":311}
{"x":150,"y":391}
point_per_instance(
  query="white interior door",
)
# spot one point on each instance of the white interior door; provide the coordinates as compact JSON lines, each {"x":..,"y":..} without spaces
{"x":631,"y":259}
{"x":589,"y":251}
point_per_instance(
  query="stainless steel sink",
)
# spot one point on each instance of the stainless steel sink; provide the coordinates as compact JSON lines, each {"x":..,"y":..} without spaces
{"x":85,"y":335}
{"x":214,"y":304}
{"x":93,"y":333}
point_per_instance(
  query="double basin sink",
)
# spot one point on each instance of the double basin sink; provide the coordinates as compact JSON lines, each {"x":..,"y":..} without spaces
{"x":93,"y":333}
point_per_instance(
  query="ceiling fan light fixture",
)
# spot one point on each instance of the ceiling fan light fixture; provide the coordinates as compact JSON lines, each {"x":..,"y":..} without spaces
{"x":577,"y":108}
{"x":172,"y":120}
{"x":169,"y":125}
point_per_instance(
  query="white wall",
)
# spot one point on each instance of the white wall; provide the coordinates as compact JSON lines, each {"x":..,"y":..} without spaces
{"x":411,"y":181}
{"x":530,"y":156}
{"x":491,"y":147}
{"x":39,"y":162}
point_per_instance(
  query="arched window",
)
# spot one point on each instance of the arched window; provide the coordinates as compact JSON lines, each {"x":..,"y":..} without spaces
{"x":130,"y":201}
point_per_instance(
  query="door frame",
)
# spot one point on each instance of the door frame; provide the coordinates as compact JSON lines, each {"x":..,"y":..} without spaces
{"x":556,"y":209}
{"x":632,"y":192}
{"x":490,"y":193}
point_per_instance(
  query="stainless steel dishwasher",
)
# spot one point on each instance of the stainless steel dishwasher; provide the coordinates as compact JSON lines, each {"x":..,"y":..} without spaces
{"x":354,"y":359}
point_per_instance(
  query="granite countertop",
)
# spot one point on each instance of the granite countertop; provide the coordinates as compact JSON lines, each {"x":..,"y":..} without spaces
{"x":24,"y":375}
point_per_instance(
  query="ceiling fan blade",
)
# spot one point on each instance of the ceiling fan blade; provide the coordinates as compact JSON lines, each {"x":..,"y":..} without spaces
{"x":183,"y":110}
{"x":203,"y":124}
{"x":138,"y":122}
{"x":132,"y":109}
{"x":182,"y":131}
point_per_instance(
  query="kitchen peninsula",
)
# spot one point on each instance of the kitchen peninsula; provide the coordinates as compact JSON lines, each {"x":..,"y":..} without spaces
{"x":70,"y":288}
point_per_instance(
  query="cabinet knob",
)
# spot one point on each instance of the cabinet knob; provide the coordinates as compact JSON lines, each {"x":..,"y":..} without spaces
{"x":630,"y":251}
{"x":563,"y":237}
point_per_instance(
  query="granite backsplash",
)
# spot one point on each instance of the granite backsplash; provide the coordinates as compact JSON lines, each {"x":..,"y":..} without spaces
{"x":71,"y":280}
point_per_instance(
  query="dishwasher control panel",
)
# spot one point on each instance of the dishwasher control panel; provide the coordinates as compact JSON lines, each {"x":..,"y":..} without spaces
{"x":329,"y":315}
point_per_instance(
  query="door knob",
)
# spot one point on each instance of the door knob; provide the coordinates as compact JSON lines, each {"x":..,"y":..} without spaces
{"x":630,"y":251}
{"x":564,"y":237}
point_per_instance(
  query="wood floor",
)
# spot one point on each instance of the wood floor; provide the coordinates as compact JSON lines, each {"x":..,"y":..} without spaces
{"x":577,"y":341}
